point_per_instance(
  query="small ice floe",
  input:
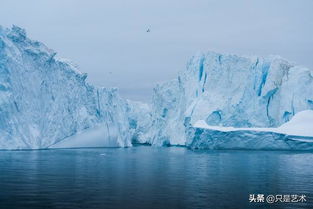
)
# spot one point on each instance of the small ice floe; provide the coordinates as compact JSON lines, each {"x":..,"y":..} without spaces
{"x":103,"y":154}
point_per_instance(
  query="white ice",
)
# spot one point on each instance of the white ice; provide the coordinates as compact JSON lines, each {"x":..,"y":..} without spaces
{"x":300,"y":125}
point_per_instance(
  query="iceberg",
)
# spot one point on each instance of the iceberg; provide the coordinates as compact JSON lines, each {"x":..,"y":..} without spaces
{"x":45,"y":99}
{"x":296,"y":134}
{"x":229,"y":90}
{"x":46,"y":102}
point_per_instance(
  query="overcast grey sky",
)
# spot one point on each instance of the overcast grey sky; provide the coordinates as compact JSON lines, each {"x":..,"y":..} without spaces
{"x":108,"y":39}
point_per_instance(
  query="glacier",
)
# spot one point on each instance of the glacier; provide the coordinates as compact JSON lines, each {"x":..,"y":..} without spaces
{"x":45,"y":99}
{"x":229,"y":90}
{"x":295,"y":134}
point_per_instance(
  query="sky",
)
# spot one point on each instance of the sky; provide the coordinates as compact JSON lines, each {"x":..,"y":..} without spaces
{"x":108,"y":39}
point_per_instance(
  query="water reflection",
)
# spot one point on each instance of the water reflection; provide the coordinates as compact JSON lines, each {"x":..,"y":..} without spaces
{"x":149,"y":177}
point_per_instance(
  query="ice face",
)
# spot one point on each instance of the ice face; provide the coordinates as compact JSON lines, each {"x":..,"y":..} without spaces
{"x":44,"y":99}
{"x":230,"y":90}
{"x":199,"y":138}
{"x":139,"y":118}
{"x":295,"y":134}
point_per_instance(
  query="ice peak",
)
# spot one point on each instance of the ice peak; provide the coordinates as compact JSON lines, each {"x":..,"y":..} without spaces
{"x":17,"y":33}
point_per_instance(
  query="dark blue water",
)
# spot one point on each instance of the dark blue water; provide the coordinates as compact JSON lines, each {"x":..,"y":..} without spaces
{"x":147,"y":177}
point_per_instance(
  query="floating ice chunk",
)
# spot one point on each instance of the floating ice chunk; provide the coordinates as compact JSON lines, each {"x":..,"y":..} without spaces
{"x":297,"y":134}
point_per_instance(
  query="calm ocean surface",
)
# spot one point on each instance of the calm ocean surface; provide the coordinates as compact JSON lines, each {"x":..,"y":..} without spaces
{"x":149,"y":177}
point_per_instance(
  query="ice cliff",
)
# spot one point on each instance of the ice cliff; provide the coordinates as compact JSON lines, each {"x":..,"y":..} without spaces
{"x":229,"y":90}
{"x":44,"y":99}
